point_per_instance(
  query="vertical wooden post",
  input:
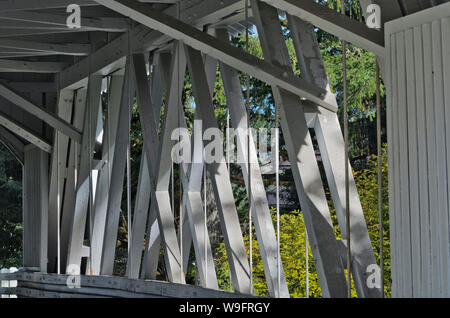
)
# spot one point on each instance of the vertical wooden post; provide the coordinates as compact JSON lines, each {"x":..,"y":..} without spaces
{"x":35,"y":208}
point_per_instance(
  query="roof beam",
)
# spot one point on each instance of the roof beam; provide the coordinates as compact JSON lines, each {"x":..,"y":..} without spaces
{"x":54,"y":20}
{"x":20,"y":130}
{"x":31,"y":87}
{"x":62,"y":49}
{"x":54,"y":121}
{"x":333,"y":22}
{"x":216,"y":48}
{"x":14,"y":5}
{"x":4,"y":54}
{"x":31,"y":67}
{"x":5,"y":33}
{"x":109,"y":57}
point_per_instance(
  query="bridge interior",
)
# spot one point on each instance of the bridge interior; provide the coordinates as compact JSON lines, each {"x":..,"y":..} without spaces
{"x":54,"y":77}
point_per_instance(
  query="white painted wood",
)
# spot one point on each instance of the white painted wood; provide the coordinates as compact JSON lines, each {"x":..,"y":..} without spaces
{"x":117,"y":174}
{"x":78,"y":225}
{"x":21,"y":130}
{"x":51,"y":285}
{"x":226,"y":53}
{"x":332,"y":147}
{"x":261,"y":213}
{"x":160,"y":201}
{"x":43,"y":114}
{"x":445,"y":88}
{"x":73,"y":166}
{"x":39,"y":4}
{"x":333,"y":22}
{"x":431,"y":145}
{"x":218,"y":171}
{"x":302,"y":156}
{"x":35,"y":208}
{"x":418,"y":63}
{"x":425,"y":283}
{"x":104,"y":184}
{"x":58,"y":165}
{"x":404,"y":163}
{"x":54,"y":48}
{"x":41,"y":20}
{"x":413,"y":166}
{"x":441,"y":168}
{"x":31,"y":67}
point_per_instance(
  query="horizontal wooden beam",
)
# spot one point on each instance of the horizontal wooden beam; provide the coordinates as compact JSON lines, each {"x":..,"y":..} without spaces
{"x":31,"y":67}
{"x":17,"y":99}
{"x":31,"y":87}
{"x":216,"y":48}
{"x":63,"y":49}
{"x":14,"y":5}
{"x":13,"y":143}
{"x":120,"y":286}
{"x":41,"y":20}
{"x":22,"y":131}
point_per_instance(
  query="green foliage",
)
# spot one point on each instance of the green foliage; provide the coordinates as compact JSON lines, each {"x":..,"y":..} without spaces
{"x":292,"y":240}
{"x":10,"y":210}
{"x":367,"y":184}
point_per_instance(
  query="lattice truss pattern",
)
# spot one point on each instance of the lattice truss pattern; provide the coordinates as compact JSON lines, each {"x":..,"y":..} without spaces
{"x":76,"y":175}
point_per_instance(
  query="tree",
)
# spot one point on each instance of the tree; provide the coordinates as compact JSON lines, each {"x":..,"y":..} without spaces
{"x":10,"y":210}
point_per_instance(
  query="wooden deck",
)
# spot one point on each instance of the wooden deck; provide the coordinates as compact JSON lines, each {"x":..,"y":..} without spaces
{"x":40,"y":285}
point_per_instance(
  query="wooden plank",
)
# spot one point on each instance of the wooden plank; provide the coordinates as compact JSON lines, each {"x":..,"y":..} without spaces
{"x":72,"y":175}
{"x":441,"y":167}
{"x":39,"y":4}
{"x":117,"y":174}
{"x":121,"y":284}
{"x":445,"y":42}
{"x":153,"y":239}
{"x":404,"y":164}
{"x":22,"y":131}
{"x":115,"y":92}
{"x":43,"y":114}
{"x":78,"y":225}
{"x":389,"y":75}
{"x":35,"y":208}
{"x":58,"y":167}
{"x":160,"y":201}
{"x":31,"y":67}
{"x":43,"y":20}
{"x":413,"y":164}
{"x":425,"y":286}
{"x":54,"y":48}
{"x":431,"y":153}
